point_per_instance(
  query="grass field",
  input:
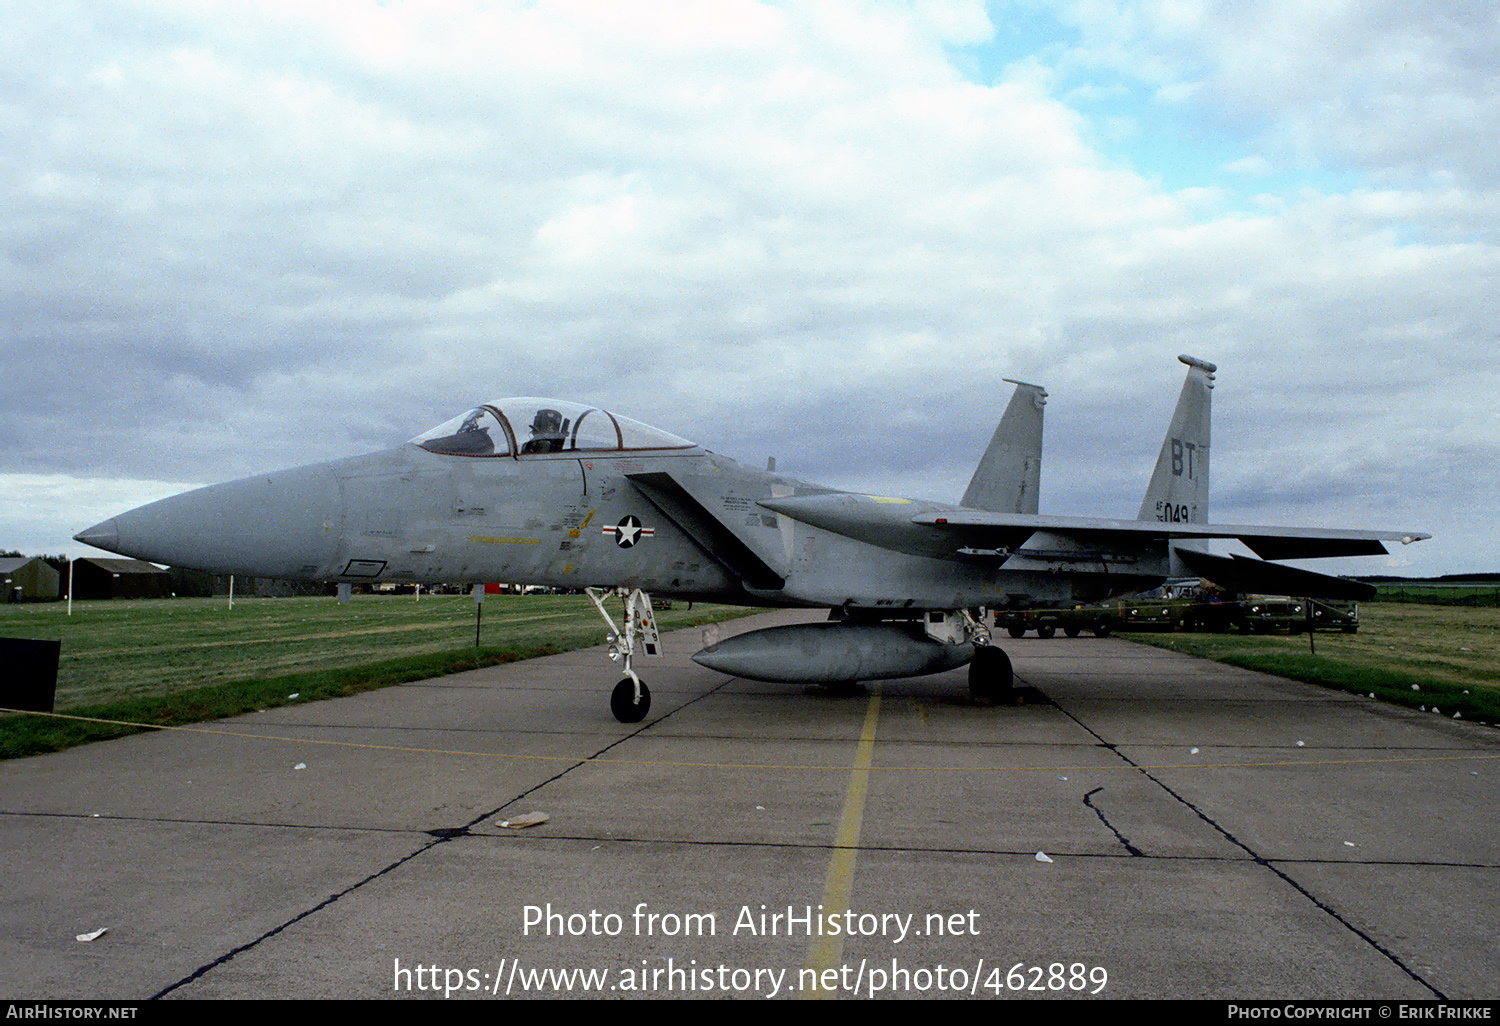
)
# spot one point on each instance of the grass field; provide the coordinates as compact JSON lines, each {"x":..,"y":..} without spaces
{"x":185,"y":660}
{"x":1441,"y":594}
{"x":1451,"y":653}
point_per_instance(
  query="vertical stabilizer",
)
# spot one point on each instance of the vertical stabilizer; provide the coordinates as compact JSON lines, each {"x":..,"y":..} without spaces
{"x":1009,"y":475}
{"x":1178,"y":493}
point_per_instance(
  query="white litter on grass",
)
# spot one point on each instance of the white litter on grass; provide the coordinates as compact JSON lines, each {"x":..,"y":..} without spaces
{"x":1299,"y":744}
{"x":762,"y":808}
{"x":300,"y":765}
{"x":1415,"y":688}
{"x":525,"y":819}
{"x":1458,"y":716}
{"x":295,"y":694}
{"x":1062,"y":778}
{"x":1372,"y":694}
{"x":84,"y":938}
{"x":1349,"y":844}
{"x":1192,"y":751}
{"x":1041,"y":856}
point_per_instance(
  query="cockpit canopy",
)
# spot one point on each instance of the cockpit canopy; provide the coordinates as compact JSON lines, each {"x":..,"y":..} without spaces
{"x":529,"y":427}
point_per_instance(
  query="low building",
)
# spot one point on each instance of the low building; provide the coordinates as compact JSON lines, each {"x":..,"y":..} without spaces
{"x":96,"y":578}
{"x":37,"y":580}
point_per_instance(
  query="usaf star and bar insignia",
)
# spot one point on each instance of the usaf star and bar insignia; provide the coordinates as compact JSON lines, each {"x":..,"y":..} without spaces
{"x":629,"y":531}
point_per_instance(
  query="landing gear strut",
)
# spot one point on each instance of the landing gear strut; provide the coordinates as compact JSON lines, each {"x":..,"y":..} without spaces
{"x":631,"y":699}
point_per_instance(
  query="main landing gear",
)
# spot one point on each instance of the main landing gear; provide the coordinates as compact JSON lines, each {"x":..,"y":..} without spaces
{"x":631,"y":699}
{"x":991,"y":678}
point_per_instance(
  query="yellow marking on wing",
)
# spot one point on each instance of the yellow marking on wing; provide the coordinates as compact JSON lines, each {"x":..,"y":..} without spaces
{"x":889,"y":500}
{"x":488,"y":540}
{"x":588,"y":518}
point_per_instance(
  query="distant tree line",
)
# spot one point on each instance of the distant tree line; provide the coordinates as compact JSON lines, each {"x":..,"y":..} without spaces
{"x":56,"y":562}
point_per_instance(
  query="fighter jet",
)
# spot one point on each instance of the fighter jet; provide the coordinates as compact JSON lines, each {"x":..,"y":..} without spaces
{"x":545,"y":492}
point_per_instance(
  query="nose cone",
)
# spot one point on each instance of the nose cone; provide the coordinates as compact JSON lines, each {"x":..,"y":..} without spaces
{"x":101,"y":536}
{"x":275,"y":525}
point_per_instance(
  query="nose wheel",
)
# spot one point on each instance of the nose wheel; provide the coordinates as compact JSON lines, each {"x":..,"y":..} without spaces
{"x":631,"y":700}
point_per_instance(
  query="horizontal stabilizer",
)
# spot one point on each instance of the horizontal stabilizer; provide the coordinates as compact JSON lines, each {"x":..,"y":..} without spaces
{"x":1244,"y":575}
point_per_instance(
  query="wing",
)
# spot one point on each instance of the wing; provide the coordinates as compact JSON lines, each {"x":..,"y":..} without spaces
{"x":1016,"y":541}
{"x":979,"y":529}
{"x":929,"y":529}
{"x":1084,"y":539}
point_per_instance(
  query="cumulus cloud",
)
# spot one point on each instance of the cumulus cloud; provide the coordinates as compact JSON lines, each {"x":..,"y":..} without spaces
{"x":1407,"y":92}
{"x":246,"y":237}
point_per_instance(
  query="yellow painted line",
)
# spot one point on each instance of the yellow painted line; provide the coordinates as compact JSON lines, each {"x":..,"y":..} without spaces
{"x":486,"y":540}
{"x":758,"y":766}
{"x":826,"y":952}
{"x":889,"y":500}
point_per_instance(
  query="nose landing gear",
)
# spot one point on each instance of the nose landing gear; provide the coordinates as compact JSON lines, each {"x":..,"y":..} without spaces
{"x":631,"y":699}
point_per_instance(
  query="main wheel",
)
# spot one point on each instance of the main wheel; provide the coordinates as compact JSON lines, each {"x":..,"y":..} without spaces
{"x":1016,"y":632}
{"x":1072,"y":630}
{"x":990,"y":674}
{"x":623,"y":704}
{"x":1046,"y":631}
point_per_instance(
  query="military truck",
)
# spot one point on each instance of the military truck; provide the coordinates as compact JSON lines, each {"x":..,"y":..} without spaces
{"x":1162,"y":609}
{"x":1266,"y":614}
{"x":1207,"y":611}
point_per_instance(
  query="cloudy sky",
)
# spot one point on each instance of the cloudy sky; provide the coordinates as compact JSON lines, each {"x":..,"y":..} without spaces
{"x":242,"y":237}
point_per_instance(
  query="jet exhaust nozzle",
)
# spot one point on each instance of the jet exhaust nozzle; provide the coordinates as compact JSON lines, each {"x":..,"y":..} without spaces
{"x":821,"y":653}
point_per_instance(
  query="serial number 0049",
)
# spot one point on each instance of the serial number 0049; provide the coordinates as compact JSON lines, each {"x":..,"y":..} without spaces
{"x":1057,"y":976}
